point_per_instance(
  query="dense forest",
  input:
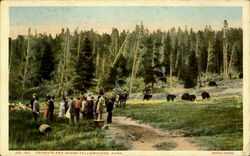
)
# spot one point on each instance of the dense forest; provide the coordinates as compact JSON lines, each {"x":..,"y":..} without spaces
{"x":84,"y":61}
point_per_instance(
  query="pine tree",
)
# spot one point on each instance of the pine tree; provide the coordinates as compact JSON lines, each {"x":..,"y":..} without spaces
{"x":85,"y":69}
{"x":189,"y":73}
{"x":47,"y":61}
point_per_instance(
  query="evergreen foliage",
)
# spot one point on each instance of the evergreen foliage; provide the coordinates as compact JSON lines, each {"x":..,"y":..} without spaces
{"x":41,"y":63}
{"x":85,"y":69}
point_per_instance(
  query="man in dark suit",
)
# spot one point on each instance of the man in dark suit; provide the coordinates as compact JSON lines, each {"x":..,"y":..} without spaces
{"x":32,"y":100}
{"x":109,"y":107}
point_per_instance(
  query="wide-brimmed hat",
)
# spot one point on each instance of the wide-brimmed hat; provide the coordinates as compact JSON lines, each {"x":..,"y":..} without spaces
{"x":34,"y":94}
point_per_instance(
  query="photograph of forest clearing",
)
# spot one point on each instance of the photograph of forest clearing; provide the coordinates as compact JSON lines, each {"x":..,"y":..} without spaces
{"x":125,"y":78}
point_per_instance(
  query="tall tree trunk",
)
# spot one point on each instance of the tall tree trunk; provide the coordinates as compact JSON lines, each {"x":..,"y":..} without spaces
{"x":97,"y":61}
{"x":225,"y":62}
{"x":153,"y":54}
{"x":63,"y":78}
{"x":170,"y":71}
{"x":121,"y":49}
{"x":134,"y":63}
{"x":162,"y":59}
{"x":208,"y":55}
{"x":79,"y":45}
{"x":27,"y":56}
{"x":230,"y":68}
{"x":197,"y":55}
{"x":103,"y":64}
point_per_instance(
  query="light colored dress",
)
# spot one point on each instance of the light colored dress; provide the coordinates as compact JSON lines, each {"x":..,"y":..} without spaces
{"x":62,"y":110}
{"x":100,"y":107}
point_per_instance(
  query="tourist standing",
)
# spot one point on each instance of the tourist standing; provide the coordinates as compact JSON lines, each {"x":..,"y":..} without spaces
{"x":100,"y":105}
{"x":95,"y":106}
{"x":32,"y":100}
{"x":109,"y":107}
{"x":46,"y":108}
{"x":35,"y":108}
{"x":71,"y":111}
{"x":84,"y":108}
{"x":78,"y":107}
{"x":62,"y":109}
{"x":90,"y":108}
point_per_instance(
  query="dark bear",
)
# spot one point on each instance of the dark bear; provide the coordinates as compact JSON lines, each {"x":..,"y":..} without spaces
{"x":241,"y":76}
{"x":212,"y":83}
{"x":192,"y":97}
{"x":147,"y":97}
{"x":185,"y":96}
{"x":170,"y":97}
{"x":205,"y":95}
{"x":123,"y":98}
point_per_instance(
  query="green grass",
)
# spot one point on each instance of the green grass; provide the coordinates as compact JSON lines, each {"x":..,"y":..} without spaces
{"x":24,"y":135}
{"x":220,"y":122}
{"x":166,"y":146}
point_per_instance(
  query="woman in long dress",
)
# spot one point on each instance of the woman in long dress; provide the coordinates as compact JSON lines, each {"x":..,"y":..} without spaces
{"x":46,"y":109}
{"x":62,"y":109}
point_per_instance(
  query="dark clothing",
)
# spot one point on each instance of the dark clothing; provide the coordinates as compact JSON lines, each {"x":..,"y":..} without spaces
{"x":35,"y":115}
{"x":31,"y":103}
{"x":109,"y":118}
{"x":51,"y":109}
{"x":77,"y":111}
{"x":90,"y":109}
{"x":66,"y":106}
{"x":109,"y":107}
{"x":95,"y":108}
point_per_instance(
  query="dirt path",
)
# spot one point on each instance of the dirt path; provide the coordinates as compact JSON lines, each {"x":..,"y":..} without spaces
{"x":145,"y":137}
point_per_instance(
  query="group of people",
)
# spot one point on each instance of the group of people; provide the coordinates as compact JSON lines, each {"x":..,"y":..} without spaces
{"x":83,"y":107}
{"x":48,"y":107}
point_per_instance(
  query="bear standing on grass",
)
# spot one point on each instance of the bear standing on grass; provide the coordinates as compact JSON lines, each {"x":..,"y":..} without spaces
{"x":170,"y":97}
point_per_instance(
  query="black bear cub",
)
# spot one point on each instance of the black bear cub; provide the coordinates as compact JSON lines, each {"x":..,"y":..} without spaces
{"x":205,"y":95}
{"x":170,"y":97}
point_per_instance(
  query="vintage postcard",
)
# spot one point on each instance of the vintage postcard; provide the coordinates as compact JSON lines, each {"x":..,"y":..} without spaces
{"x":125,"y":78}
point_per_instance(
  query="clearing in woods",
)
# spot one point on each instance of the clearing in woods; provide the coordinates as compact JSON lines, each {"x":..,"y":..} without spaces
{"x":145,"y":137}
{"x":177,"y":125}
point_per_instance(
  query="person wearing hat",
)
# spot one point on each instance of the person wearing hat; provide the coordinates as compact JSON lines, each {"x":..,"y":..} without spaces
{"x":32,"y":100}
{"x":84,"y":107}
{"x":90,"y":108}
{"x":71,"y":111}
{"x":51,"y":108}
{"x":77,"y":108}
{"x":100,"y":105}
{"x":35,"y":108}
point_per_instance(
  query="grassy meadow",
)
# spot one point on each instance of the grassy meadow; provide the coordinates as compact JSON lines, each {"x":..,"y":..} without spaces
{"x":215,"y":124}
{"x":24,"y":135}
